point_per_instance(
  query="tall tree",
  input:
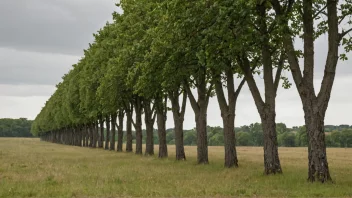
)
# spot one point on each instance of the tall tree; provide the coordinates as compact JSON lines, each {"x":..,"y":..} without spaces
{"x":300,"y":17}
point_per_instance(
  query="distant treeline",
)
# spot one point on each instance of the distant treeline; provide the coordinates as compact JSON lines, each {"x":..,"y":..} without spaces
{"x":247,"y":135}
{"x":252,"y":135}
{"x":15,"y":127}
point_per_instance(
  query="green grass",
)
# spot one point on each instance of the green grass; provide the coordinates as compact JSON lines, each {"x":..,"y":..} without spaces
{"x":30,"y":168}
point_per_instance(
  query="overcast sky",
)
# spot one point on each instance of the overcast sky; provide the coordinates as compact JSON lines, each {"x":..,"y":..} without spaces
{"x":41,"y":39}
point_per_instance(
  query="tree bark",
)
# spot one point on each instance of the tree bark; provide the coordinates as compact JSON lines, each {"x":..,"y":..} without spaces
{"x":121,"y":115}
{"x":178,"y":115}
{"x":271,"y":155}
{"x":129,"y":130}
{"x":229,"y":140}
{"x":113,"y":131}
{"x":86,"y":135}
{"x":101,"y":134}
{"x":97,"y":130}
{"x":79,"y":128}
{"x":78,"y":140}
{"x":84,"y":144}
{"x":90,"y":134}
{"x":107,"y":138}
{"x":149,"y":123}
{"x":202,"y":138}
{"x":138,"y":125}
{"x":161,"y":122}
{"x":318,"y":168}
{"x":94,"y":135}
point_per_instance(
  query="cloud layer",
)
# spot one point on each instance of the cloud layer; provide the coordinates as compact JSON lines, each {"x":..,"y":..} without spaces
{"x":41,"y":39}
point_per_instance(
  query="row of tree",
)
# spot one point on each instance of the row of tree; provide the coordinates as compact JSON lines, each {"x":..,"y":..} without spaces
{"x":252,"y":135}
{"x":159,"y":51}
{"x":15,"y":127}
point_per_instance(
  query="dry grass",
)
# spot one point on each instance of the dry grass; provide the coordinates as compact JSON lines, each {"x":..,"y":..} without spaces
{"x":30,"y":168}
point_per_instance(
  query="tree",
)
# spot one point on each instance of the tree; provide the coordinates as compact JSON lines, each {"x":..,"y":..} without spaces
{"x":286,"y":139}
{"x":244,"y":139}
{"x":301,"y":136}
{"x":299,"y":17}
{"x":15,"y":127}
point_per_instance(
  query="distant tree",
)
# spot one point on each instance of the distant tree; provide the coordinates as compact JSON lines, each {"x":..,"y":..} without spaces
{"x":286,"y":139}
{"x":244,"y":139}
{"x":15,"y":127}
{"x":256,"y":132}
{"x":281,"y":128}
{"x":301,"y":136}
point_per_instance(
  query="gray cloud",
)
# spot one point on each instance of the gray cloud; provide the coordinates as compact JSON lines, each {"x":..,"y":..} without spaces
{"x":25,"y":107}
{"x":21,"y":67}
{"x":41,"y":39}
{"x":26,"y":90}
{"x":56,"y":26}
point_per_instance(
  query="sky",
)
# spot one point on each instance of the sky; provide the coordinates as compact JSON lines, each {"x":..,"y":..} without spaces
{"x":40,"y":40}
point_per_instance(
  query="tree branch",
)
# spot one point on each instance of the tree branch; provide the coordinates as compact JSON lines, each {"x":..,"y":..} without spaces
{"x":293,"y":61}
{"x":220,"y":94}
{"x":342,"y":18}
{"x":134,"y":124}
{"x":245,"y":66}
{"x":192,"y":100}
{"x":154,"y":116}
{"x":344,"y":33}
{"x":210,"y":89}
{"x":153,"y":107}
{"x":277,"y":7}
{"x":279,"y":71}
{"x":332,"y":57}
{"x":184,"y":102}
{"x":320,"y":11}
{"x":165,"y":107}
{"x":237,"y":93}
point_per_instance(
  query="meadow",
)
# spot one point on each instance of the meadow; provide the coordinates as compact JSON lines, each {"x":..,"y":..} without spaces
{"x":31,"y":168}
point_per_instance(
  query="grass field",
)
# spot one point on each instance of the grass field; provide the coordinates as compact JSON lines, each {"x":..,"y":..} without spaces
{"x":30,"y":168}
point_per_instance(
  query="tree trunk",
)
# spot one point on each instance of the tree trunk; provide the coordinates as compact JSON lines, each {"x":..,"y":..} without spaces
{"x":120,"y":131}
{"x":149,"y":123}
{"x":90,"y":135}
{"x":94,"y":134}
{"x":228,"y":114}
{"x":161,"y":121}
{"x":99,"y":144}
{"x":266,"y":108}
{"x":199,"y":107}
{"x":202,"y":138}
{"x":77,"y":138}
{"x":129,"y":131}
{"x":113,"y":131}
{"x":101,"y":136}
{"x":79,"y":129}
{"x":318,"y":169}
{"x":200,"y":110}
{"x":180,"y":149}
{"x":83,"y":136}
{"x":314,"y":106}
{"x":73,"y":133}
{"x":178,"y":115}
{"x":107,"y":138}
{"x":271,"y":155}
{"x":229,"y":140}
{"x":138,"y":126}
{"x":86,"y":135}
